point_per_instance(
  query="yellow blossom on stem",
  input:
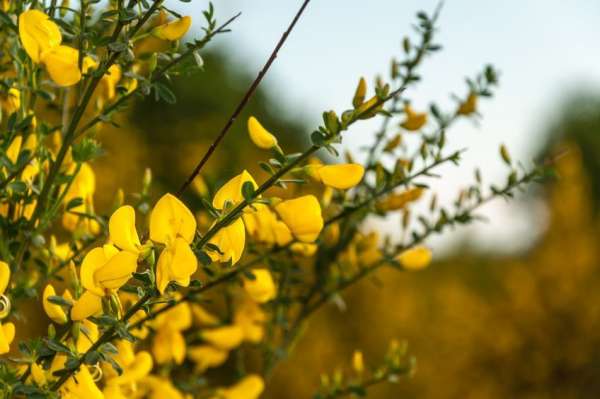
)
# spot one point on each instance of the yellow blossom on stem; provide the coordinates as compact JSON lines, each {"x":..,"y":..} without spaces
{"x":358,"y":363}
{"x":122,"y":231}
{"x":231,"y":241}
{"x":7,"y":330}
{"x":414,"y":120}
{"x":173,"y":30}
{"x":259,"y":135}
{"x":103,"y":271}
{"x":415,"y":258}
{"x":170,"y":218}
{"x":173,"y":224}
{"x":168,"y":346}
{"x":469,"y":106}
{"x":304,"y":249}
{"x":250,"y":387}
{"x":11,"y":100}
{"x":62,"y":64}
{"x":202,"y":317}
{"x":303,"y":216}
{"x":342,"y":176}
{"x":81,"y":385}
{"x":55,"y":312}
{"x":207,"y":356}
{"x":250,"y":317}
{"x":262,"y":287}
{"x":7,"y":334}
{"x":38,"y":33}
{"x":226,"y":337}
{"x":232,"y":190}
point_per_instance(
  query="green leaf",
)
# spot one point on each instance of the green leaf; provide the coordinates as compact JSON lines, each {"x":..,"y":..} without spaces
{"x":248,"y":191}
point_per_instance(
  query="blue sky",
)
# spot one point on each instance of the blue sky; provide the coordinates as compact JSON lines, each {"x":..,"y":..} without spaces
{"x":542,"y":48}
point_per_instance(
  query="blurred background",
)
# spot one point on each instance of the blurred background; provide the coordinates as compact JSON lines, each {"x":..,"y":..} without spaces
{"x":511,"y":307}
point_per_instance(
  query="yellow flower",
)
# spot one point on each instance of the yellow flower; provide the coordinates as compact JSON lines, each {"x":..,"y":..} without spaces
{"x":206,"y":356}
{"x":414,"y":120}
{"x":173,"y":30}
{"x":88,"y":335}
{"x":303,"y":216}
{"x":415,"y":258}
{"x":11,"y":101}
{"x":262,"y":224}
{"x":225,"y":338}
{"x":121,"y":227}
{"x":177,"y":263}
{"x":84,"y":187}
{"x":250,"y":318}
{"x":359,"y":94}
{"x":397,"y":201}
{"x":173,"y":224}
{"x":203,"y":317}
{"x":135,"y":365}
{"x":342,"y":177}
{"x":168,"y":345}
{"x":7,"y":334}
{"x":250,"y":387}
{"x":160,"y":388}
{"x":469,"y":106}
{"x":304,"y":249}
{"x":358,"y":363}
{"x":38,"y":33}
{"x":262,"y":288}
{"x":170,"y":219}
{"x":108,"y":84}
{"x":55,"y":312}
{"x":81,"y":386}
{"x":259,"y":135}
{"x":62,"y":64}
{"x":231,"y":241}
{"x":4,"y":276}
{"x":232,"y":190}
{"x":103,"y":271}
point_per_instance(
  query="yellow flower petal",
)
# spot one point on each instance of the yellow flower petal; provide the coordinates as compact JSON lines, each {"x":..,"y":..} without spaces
{"x":13,"y":150}
{"x":7,"y":334}
{"x":259,"y":135}
{"x":415,"y":258}
{"x":122,"y":230}
{"x":94,"y":260}
{"x":117,"y":271}
{"x":250,"y":318}
{"x":4,"y":276}
{"x":225,"y":338}
{"x":231,"y":241}
{"x":304,"y":249}
{"x":176,"y":263}
{"x":206,"y":356}
{"x":168,"y":345}
{"x":414,"y":120}
{"x":469,"y":106}
{"x":250,"y":387}
{"x":54,"y":311}
{"x":341,"y":177}
{"x":87,"y":305}
{"x":262,"y":288}
{"x":232,"y":190}
{"x":173,"y":30}
{"x":62,"y":64}
{"x":170,"y":218}
{"x":38,"y":33}
{"x":303,"y":216}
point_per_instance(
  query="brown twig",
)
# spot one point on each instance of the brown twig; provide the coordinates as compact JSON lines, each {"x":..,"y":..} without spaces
{"x":242,"y":104}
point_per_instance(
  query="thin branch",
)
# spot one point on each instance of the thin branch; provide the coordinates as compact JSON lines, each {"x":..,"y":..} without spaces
{"x":242,"y":104}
